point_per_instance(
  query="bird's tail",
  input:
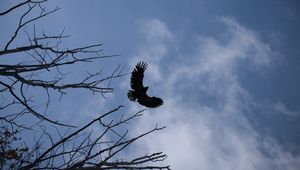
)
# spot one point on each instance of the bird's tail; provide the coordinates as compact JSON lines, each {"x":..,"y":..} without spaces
{"x":131,"y":95}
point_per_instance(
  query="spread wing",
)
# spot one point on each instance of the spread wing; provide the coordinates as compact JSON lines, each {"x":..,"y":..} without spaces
{"x":137,"y":76}
{"x":139,"y":91}
{"x":150,"y":102}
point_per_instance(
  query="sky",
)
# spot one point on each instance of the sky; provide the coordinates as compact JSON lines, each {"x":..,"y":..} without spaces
{"x":228,"y":72}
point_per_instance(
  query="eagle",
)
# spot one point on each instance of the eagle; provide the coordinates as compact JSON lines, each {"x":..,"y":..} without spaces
{"x":139,"y":92}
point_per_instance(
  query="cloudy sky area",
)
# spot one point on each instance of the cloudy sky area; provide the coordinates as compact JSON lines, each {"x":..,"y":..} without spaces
{"x":228,"y":72}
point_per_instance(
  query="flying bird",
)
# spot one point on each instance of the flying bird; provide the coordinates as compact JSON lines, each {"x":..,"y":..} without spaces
{"x":139,"y":92}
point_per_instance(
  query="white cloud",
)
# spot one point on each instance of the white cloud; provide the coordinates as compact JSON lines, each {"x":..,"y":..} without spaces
{"x":201,"y":135}
{"x":155,"y":48}
{"x":279,"y":107}
{"x":246,"y":41}
{"x":155,"y":31}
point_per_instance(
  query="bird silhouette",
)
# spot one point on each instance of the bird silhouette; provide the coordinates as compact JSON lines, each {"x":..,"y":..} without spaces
{"x":139,"y":92}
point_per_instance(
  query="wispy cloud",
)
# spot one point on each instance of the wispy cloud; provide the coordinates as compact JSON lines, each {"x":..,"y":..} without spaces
{"x":155,"y":48}
{"x":205,"y":102}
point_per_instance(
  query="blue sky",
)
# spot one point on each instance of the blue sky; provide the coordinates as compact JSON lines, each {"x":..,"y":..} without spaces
{"x":228,"y":72}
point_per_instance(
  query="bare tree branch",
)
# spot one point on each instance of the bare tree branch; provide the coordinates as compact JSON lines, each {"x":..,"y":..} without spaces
{"x":19,"y":49}
{"x":15,"y":7}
